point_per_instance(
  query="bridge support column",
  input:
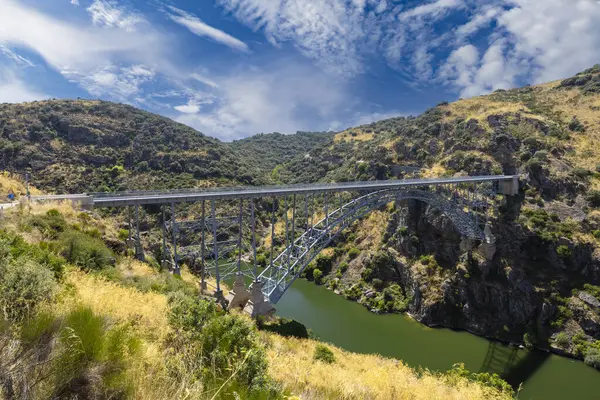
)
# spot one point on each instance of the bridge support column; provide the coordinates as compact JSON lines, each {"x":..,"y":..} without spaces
{"x":260,"y":306}
{"x":509,"y":187}
{"x":488,"y":248}
{"x":203,"y":285}
{"x":176,"y":269}
{"x":139,"y":250}
{"x":241,"y":295}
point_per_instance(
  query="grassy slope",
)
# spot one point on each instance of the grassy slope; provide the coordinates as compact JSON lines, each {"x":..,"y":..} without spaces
{"x":116,"y":297}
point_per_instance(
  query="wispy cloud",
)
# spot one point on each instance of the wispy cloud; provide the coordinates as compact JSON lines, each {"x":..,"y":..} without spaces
{"x":286,"y":97}
{"x":18,"y":59}
{"x":197,"y":27}
{"x":109,"y":13}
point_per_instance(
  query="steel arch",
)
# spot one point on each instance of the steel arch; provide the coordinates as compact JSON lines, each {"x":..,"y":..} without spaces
{"x":289,"y":264}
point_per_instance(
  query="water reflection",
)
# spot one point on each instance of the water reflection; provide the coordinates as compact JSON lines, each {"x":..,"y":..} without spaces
{"x":514,"y":365}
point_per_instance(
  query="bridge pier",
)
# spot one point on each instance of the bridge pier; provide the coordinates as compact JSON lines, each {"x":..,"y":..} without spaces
{"x":241,"y":295}
{"x":139,"y":250}
{"x":509,"y":187}
{"x":259,"y":305}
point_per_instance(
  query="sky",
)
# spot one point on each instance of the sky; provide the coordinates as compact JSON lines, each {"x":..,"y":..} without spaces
{"x":234,"y":68}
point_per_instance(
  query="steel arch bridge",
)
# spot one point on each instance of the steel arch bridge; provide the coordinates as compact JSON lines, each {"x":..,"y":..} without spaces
{"x":279,"y":275}
{"x":302,"y":220}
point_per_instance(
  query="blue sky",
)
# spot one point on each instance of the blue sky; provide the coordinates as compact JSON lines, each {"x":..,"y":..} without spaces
{"x":232,"y":68}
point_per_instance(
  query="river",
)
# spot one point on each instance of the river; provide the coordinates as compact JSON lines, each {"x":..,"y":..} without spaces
{"x":349,"y":325}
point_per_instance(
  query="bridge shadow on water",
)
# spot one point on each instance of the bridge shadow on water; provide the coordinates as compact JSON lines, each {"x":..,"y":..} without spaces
{"x":514,"y":365}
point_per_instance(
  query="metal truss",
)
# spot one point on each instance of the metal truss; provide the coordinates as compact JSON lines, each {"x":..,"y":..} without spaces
{"x":455,"y":203}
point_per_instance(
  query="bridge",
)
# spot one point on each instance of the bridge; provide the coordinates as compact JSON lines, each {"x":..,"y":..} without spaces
{"x":218,"y":229}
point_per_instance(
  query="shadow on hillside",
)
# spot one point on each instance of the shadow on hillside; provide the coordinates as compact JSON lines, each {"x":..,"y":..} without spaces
{"x":512,"y":365}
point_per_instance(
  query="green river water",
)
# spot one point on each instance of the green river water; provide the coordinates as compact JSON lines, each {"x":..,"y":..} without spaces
{"x":351,"y":326}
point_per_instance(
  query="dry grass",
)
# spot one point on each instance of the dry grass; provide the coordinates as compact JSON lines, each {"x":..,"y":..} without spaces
{"x":147,"y":312}
{"x":357,"y":376}
{"x":479,"y":108}
{"x":435,"y":171}
{"x":346,"y":136}
{"x":10,"y":182}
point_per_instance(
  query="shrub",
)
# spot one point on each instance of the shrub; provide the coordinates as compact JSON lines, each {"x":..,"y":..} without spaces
{"x":344,"y":266}
{"x":16,"y":247}
{"x":324,"y":354}
{"x":317,"y":275}
{"x":485,"y":378}
{"x":23,"y":285}
{"x":562,"y":340}
{"x":50,"y":225}
{"x":261,"y":260}
{"x":576,"y":126}
{"x":220,"y":343}
{"x":594,"y":198}
{"x":377,"y":283}
{"x":563,"y":251}
{"x":596,"y":234}
{"x":86,"y":251}
{"x":123,"y":234}
{"x":592,"y":358}
{"x":353,"y":253}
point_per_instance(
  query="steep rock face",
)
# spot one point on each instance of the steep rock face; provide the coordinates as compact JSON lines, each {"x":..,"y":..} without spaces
{"x":502,"y":298}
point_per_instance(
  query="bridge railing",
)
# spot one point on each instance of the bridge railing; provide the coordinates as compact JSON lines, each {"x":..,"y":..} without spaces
{"x":339,"y":186}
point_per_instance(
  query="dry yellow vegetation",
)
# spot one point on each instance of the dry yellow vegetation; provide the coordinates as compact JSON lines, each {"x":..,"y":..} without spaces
{"x":9,"y":182}
{"x":353,"y":135}
{"x":359,"y":376}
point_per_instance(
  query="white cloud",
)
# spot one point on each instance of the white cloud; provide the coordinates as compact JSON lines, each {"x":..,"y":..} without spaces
{"x":197,"y":27}
{"x":285,"y":98}
{"x":75,"y":2}
{"x":109,"y":13}
{"x":532,"y":42}
{"x":482,"y":18}
{"x":434,"y":9}
{"x":110,"y":62}
{"x":16,"y":58}
{"x":122,"y":83}
{"x":14,"y":90}
{"x":204,"y":80}
{"x":190,"y":108}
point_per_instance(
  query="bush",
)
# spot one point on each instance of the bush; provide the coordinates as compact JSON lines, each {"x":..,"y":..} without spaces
{"x":353,"y":253}
{"x":16,"y":248}
{"x":344,"y":266}
{"x":563,"y":251}
{"x":23,"y":285}
{"x":562,"y":340}
{"x":324,"y":354}
{"x":485,"y":378}
{"x":219,"y":344}
{"x":377,"y":283}
{"x":50,"y":225}
{"x":86,"y":251}
{"x":123,"y":234}
{"x":576,"y":126}
{"x":317,"y":275}
{"x":594,"y":198}
{"x":596,"y":234}
{"x":592,"y":358}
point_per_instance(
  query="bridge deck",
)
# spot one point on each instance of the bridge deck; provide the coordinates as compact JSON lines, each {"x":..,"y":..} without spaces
{"x":121,"y":199}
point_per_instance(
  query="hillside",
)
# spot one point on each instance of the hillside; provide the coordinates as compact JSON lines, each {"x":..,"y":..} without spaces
{"x":267,"y":151}
{"x":542,"y":286}
{"x":79,"y":318}
{"x":81,"y":145}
